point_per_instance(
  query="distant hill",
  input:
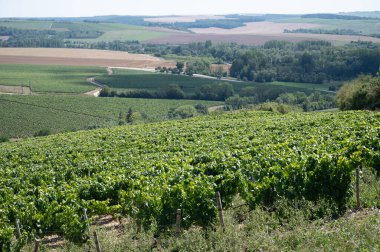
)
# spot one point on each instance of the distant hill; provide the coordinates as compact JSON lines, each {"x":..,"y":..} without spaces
{"x":368,"y":14}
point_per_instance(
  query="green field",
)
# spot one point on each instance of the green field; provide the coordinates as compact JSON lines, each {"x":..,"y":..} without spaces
{"x":318,"y":87}
{"x":140,"y":34}
{"x":23,"y":116}
{"x":132,"y":80}
{"x":365,"y":26}
{"x":43,"y":78}
{"x":146,"y":172}
{"x":112,"y":31}
{"x":32,"y":25}
{"x":124,"y":80}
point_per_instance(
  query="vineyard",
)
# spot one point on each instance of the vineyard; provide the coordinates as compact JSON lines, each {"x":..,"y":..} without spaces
{"x":47,"y":78}
{"x":148,"y":171}
{"x":62,"y":113}
{"x":132,"y":79}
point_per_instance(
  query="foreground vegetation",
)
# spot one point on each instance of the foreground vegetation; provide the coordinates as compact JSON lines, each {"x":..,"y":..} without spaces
{"x":146,"y":172}
{"x":42,"y":78}
{"x":361,"y":93}
{"x":24,"y":116}
{"x":287,"y":229}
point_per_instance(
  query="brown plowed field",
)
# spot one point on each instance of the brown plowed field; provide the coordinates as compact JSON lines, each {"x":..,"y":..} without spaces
{"x":79,"y":57}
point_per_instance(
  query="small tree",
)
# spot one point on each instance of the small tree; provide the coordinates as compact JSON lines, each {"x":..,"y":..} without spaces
{"x":121,"y":121}
{"x":183,"y":112}
{"x":180,"y":66}
{"x":129,"y":117}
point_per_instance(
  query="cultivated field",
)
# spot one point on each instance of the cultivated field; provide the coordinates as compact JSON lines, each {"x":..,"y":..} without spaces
{"x":258,"y":28}
{"x":292,"y":167}
{"x":260,"y":39}
{"x":123,"y":79}
{"x":190,"y":18}
{"x":49,"y":78}
{"x":61,"y":113}
{"x":112,"y":31}
{"x":79,"y":57}
{"x":257,"y":33}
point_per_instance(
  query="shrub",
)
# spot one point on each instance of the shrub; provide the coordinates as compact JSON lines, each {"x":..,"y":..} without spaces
{"x":43,"y":132}
{"x":3,"y":139}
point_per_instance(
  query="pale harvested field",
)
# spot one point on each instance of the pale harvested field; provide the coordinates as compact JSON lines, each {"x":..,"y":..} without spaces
{"x":4,"y":38}
{"x":257,"y":39}
{"x":259,"y":28}
{"x":217,"y":38}
{"x":190,"y":18}
{"x":79,"y":57}
{"x":257,"y":33}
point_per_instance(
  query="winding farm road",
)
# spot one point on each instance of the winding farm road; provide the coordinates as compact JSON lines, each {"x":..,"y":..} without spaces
{"x":96,"y":91}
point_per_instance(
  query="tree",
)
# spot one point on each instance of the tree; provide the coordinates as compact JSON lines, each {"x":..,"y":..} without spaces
{"x":361,"y":93}
{"x":183,"y":112}
{"x":129,"y":117}
{"x":121,"y":121}
{"x":180,"y":66}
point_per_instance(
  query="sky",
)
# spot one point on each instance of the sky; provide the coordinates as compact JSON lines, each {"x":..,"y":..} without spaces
{"x":81,"y":8}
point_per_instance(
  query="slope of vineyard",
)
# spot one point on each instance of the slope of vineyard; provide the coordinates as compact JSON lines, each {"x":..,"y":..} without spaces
{"x":148,"y":171}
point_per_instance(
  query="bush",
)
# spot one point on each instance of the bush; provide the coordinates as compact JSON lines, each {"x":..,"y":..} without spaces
{"x":361,"y":93}
{"x":3,"y":139}
{"x":43,"y":132}
{"x":201,"y":109}
{"x":183,"y":112}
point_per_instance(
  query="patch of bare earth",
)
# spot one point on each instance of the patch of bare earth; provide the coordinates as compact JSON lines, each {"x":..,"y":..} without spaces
{"x":189,"y":18}
{"x":15,"y":90}
{"x":79,"y":57}
{"x":107,"y":222}
{"x":4,"y":38}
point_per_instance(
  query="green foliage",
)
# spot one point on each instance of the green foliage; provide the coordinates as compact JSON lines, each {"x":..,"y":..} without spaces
{"x":183,"y":112}
{"x":276,"y":107}
{"x":147,"y":171}
{"x":43,"y":132}
{"x":309,"y":62}
{"x":362,"y":93}
{"x":62,"y":113}
{"x":3,"y":139}
{"x":198,"y":67}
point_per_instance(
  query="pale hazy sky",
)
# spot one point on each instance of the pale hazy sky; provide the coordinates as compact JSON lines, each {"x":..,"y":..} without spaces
{"x":75,"y":8}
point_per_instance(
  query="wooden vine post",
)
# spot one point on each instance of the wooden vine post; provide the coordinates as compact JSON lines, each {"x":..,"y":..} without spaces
{"x":358,"y":188}
{"x":86,"y":219}
{"x":97,"y":243}
{"x":178,"y":222}
{"x":36,"y":245}
{"x":220,"y":208}
{"x":17,"y":223}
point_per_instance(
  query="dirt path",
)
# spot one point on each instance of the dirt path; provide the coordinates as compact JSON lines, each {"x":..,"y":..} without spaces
{"x":15,"y":90}
{"x":215,"y":108}
{"x":109,"y":71}
{"x":214,"y":78}
{"x":146,"y":69}
{"x":96,"y":91}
